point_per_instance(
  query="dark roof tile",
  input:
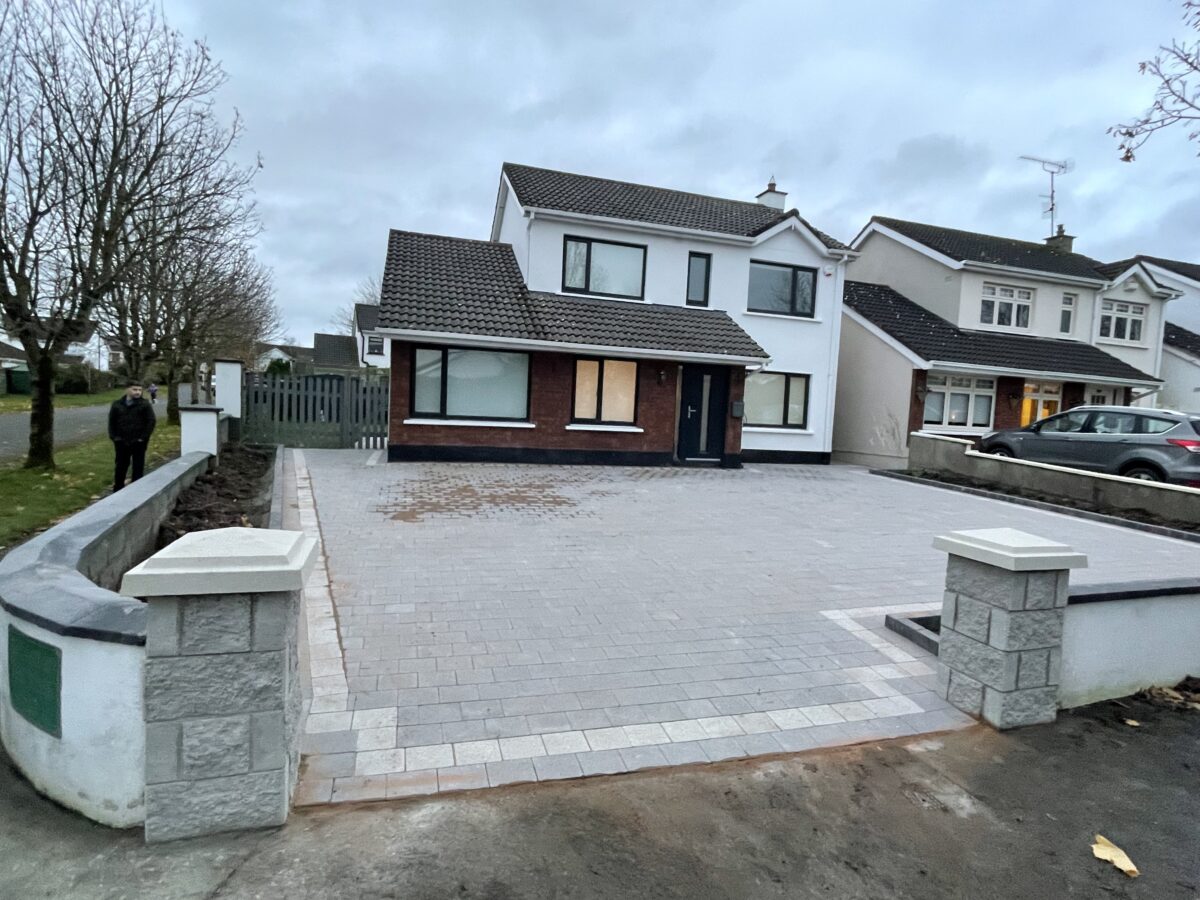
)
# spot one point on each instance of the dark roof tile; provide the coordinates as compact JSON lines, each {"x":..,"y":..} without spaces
{"x":366,"y":316}
{"x":587,"y":195}
{"x":335,"y":351}
{"x":934,"y":339}
{"x":1181,"y":339}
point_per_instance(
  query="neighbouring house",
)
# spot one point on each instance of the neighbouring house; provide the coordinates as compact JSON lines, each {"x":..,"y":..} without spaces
{"x":1181,"y":276}
{"x":334,"y":353}
{"x":373,"y":349}
{"x":1181,"y":369}
{"x":613,"y":322}
{"x":961,"y":333}
{"x":299,"y":358}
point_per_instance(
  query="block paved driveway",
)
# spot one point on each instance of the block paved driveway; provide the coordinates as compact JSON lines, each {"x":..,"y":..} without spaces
{"x":486,"y":624}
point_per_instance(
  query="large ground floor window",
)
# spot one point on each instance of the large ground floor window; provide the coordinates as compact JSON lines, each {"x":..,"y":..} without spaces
{"x":959,"y":401}
{"x":1042,"y":399}
{"x":777,"y":399}
{"x":470,"y":384}
{"x":605,"y":391}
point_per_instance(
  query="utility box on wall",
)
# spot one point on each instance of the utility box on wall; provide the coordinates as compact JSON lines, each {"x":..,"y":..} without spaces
{"x":35,"y":681}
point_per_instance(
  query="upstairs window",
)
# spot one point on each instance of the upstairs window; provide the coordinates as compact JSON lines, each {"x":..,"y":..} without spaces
{"x":605,"y":392}
{"x":375,"y":345}
{"x":1066,"y":319}
{"x":783,"y":290}
{"x":605,"y":268}
{"x":1122,"y":321}
{"x":1005,"y":306}
{"x":699,"y":269}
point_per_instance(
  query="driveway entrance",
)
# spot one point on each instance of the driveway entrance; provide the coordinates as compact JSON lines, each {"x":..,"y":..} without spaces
{"x":496,"y":623}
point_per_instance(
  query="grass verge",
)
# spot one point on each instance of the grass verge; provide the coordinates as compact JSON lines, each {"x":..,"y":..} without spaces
{"x":32,"y":500}
{"x":19,"y":403}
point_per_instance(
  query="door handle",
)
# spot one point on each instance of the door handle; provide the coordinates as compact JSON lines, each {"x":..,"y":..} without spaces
{"x":691,"y":410}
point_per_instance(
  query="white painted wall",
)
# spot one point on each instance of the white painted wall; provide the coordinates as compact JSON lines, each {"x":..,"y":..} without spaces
{"x":1145,"y":355}
{"x":1045,"y":315}
{"x":381,"y":360}
{"x":1181,"y":377}
{"x":873,"y":390}
{"x":227,"y":387}
{"x":803,"y":346}
{"x":97,"y":766}
{"x":514,"y":228}
{"x":1183,"y":311}
{"x":922,"y":280}
{"x":1115,"y":647}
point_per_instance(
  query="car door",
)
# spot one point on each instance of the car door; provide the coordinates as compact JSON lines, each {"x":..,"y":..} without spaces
{"x":1113,"y":435}
{"x":1058,"y":439}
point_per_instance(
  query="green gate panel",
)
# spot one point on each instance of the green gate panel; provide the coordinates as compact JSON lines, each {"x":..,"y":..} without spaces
{"x":35,"y":681}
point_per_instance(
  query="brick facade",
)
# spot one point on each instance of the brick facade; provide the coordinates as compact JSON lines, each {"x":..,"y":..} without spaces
{"x":1010,"y":392}
{"x":552,"y":384}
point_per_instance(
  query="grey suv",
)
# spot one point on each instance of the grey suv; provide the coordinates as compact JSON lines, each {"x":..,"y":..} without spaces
{"x":1151,"y":444}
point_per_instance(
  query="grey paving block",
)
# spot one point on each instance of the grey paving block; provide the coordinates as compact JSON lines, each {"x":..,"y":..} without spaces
{"x":549,"y":768}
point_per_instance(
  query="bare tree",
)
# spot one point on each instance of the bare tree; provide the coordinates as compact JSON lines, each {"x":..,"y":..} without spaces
{"x":366,"y":292}
{"x":103,"y":110}
{"x":1176,"y":69}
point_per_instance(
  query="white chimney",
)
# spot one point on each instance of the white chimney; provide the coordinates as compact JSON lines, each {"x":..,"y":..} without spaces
{"x":771,"y":197}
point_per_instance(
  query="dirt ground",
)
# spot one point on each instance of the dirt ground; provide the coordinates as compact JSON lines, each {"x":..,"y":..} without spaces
{"x":973,"y":814}
{"x":236,"y":493}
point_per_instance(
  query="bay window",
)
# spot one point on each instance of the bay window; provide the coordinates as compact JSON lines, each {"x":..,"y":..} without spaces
{"x":606,"y":268}
{"x":959,"y":401}
{"x":777,"y":400}
{"x":470,"y":384}
{"x":605,"y":392}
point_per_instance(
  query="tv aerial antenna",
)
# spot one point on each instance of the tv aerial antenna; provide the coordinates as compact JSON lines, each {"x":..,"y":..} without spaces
{"x":1052,"y":167}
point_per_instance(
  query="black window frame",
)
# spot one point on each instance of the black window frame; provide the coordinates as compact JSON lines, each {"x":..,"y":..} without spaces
{"x":637,"y":390}
{"x":707,"y":257}
{"x":372,"y":338}
{"x":442,"y":414}
{"x":794,"y":270}
{"x":587,"y":267}
{"x":787,"y":394}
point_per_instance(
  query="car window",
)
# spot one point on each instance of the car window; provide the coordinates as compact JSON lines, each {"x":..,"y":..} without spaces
{"x":1155,"y":425}
{"x":1196,"y":425}
{"x":1066,"y":423}
{"x":1114,"y":423}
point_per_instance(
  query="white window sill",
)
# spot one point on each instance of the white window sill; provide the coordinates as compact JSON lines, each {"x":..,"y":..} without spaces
{"x":784,"y":316}
{"x":774,"y":429}
{"x":1117,"y":342}
{"x":471,"y":423}
{"x":957,"y":429}
{"x":628,"y":429}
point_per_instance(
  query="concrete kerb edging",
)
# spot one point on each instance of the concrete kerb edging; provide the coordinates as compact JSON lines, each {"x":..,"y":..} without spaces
{"x":1090,"y":515}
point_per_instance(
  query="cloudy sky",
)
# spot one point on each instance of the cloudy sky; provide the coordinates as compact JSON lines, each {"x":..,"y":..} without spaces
{"x":371,"y":114}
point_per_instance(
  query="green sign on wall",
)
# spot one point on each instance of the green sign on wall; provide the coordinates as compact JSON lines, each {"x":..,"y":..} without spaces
{"x":35,"y":681}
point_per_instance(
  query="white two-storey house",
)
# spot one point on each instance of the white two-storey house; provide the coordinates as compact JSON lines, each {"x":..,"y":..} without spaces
{"x":960,"y":333}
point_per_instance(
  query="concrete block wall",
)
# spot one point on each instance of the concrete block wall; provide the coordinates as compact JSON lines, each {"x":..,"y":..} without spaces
{"x":1001,"y":642}
{"x":223,"y":707}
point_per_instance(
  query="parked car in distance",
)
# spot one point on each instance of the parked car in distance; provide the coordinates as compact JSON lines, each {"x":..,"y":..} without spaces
{"x":1137,"y":442}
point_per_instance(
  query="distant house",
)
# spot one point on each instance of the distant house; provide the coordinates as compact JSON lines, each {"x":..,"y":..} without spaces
{"x":300,"y":358}
{"x":373,"y":349}
{"x":1183,"y":277}
{"x":1181,"y":369}
{"x":334,"y":353}
{"x":960,"y":333}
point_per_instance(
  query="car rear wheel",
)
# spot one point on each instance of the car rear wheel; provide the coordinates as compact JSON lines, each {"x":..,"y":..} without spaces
{"x":1143,"y":473}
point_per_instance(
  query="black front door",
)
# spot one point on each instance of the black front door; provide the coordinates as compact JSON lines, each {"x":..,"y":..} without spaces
{"x":703,"y":396}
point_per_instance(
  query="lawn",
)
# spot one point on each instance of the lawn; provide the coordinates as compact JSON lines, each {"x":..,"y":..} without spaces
{"x":15,"y":403}
{"x":32,"y":500}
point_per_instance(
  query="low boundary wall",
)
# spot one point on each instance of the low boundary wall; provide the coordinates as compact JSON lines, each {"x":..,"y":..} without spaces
{"x":955,"y":456}
{"x":72,"y":651}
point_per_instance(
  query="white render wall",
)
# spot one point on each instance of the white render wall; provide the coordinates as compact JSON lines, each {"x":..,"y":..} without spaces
{"x":1113,"y":648}
{"x":1181,"y":377}
{"x":1183,"y":311}
{"x":873,"y":391}
{"x":803,"y":346}
{"x":96,"y":767}
{"x":922,"y":280}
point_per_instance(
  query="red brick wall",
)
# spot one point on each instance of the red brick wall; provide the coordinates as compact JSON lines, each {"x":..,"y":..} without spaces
{"x":733,"y":427}
{"x":1009,"y":394}
{"x":552,"y":383}
{"x":1073,"y":395}
{"x":916,"y":406}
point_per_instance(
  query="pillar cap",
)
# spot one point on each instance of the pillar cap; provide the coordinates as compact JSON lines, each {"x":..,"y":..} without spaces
{"x":200,"y":407}
{"x":225,"y":561}
{"x":1008,"y":548}
{"x":226,"y":359}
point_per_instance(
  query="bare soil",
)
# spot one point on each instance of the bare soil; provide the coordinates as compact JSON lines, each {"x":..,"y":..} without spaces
{"x":235,"y":494}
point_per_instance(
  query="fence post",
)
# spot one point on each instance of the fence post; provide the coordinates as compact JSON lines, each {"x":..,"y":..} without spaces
{"x":227,"y":386}
{"x":1000,"y":648}
{"x":198,"y":430}
{"x":222,"y":690}
{"x":347,"y":412}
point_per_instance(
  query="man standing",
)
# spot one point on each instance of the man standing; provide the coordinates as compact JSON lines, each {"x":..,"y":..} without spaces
{"x":130,"y":424}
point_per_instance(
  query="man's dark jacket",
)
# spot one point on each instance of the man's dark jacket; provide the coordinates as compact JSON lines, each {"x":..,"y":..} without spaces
{"x":130,"y":422}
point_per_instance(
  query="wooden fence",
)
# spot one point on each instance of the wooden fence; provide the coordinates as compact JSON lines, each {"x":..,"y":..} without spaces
{"x":321,"y":411}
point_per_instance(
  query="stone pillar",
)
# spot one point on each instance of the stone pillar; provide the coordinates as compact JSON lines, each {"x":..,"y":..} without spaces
{"x":198,"y":429}
{"x":1000,"y":651}
{"x":222,"y":691}
{"x":227,"y":389}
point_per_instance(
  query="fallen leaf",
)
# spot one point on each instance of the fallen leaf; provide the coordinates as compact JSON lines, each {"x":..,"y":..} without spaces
{"x":1106,"y":850}
{"x":1133,"y":723}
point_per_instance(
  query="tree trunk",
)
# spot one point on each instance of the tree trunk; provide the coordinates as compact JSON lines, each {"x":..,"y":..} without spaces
{"x":172,"y":396}
{"x":41,"y":414}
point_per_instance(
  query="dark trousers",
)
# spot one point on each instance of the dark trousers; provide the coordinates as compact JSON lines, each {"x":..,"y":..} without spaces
{"x":129,"y":452}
